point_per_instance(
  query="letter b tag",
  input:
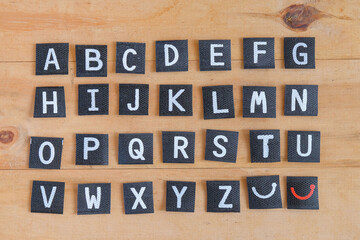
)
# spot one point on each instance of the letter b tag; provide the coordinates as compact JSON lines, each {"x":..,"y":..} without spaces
{"x":136,"y":148}
{"x":91,"y":60}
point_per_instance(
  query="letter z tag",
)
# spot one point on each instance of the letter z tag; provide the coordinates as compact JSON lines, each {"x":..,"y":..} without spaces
{"x":265,"y":145}
{"x":130,"y":57}
{"x":136,"y":148}
{"x":180,"y":196}
{"x":138,"y":198}
{"x":133,"y":99}
{"x":175,"y":100}
{"x":299,"y":52}
{"x":52,"y":58}
{"x":223,"y":196}
{"x":259,"y":102}
{"x":218,"y":102}
{"x":303,"y":146}
{"x":259,"y":53}
{"x":45,"y":152}
{"x":301,"y":100}
{"x":91,"y":60}
{"x":221,"y":145}
{"x":172,"y":56}
{"x":93,"y":99}
{"x":47,"y":197}
{"x":302,"y":193}
{"x":94,"y":198}
{"x":178,"y":147}
{"x":49,"y":102}
{"x":215,"y":55}
{"x":92,"y":149}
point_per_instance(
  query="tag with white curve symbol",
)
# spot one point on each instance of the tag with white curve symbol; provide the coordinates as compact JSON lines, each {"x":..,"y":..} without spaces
{"x":302,"y":193}
{"x":264,"y":192}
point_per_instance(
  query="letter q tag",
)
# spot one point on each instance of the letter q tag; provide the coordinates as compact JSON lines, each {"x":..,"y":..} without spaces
{"x":136,"y":148}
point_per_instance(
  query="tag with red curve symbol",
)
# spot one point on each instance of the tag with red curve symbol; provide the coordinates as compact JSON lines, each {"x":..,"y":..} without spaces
{"x":312,"y":188}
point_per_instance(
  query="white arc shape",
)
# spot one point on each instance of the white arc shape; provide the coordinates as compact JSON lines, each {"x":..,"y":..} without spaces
{"x":265,"y":196}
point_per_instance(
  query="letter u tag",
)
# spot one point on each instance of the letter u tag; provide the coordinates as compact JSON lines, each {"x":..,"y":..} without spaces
{"x":303,"y":146}
{"x":302,"y":193}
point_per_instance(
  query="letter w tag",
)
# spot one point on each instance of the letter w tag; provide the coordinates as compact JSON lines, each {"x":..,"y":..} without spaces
{"x":94,"y":198}
{"x":47,"y":197}
{"x":136,"y":148}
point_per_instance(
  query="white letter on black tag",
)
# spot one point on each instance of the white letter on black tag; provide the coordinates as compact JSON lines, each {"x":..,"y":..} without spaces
{"x":265,"y":145}
{"x":91,"y":60}
{"x":93,"y":99}
{"x":180,"y":196}
{"x":172,"y":56}
{"x":223,"y":196}
{"x":133,"y":99}
{"x":215,"y":55}
{"x":259,"y":102}
{"x":221,"y":145}
{"x":47,"y":197}
{"x":45,"y":152}
{"x":264,"y":192}
{"x":92,"y":149}
{"x":52,"y":58}
{"x":94,"y":198}
{"x":303,"y":146}
{"x":218,"y":102}
{"x":138,"y":198}
{"x":175,"y":100}
{"x":136,"y":148}
{"x":130,"y":57}
{"x":178,"y":147}
{"x":301,"y":100}
{"x":259,"y":53}
{"x":299,"y":52}
{"x":49,"y":102}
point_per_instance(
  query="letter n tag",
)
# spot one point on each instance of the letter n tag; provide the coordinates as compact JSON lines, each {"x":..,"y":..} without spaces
{"x":265,"y":145}
{"x":178,"y":147}
{"x":302,"y":193}
{"x":264,"y":192}
{"x":180,"y":196}
{"x":299,"y":52}
{"x":172,"y":56}
{"x":259,"y":102}
{"x":52,"y":58}
{"x":47,"y":197}
{"x":130,"y":57}
{"x":92,"y":149}
{"x":223,"y":196}
{"x":175,"y":100}
{"x":259,"y":53}
{"x":303,"y":146}
{"x":221,"y":145}
{"x":45,"y":152}
{"x":91,"y":60}
{"x":215,"y":55}
{"x":133,"y":99}
{"x":136,"y":148}
{"x":93,"y":99}
{"x":301,"y":100}
{"x":218,"y":102}
{"x":138,"y":198}
{"x":94,"y":198}
{"x":49,"y":102}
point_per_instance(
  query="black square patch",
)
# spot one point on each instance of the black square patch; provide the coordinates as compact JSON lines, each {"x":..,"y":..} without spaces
{"x":265,"y":145}
{"x":91,"y":60}
{"x":299,"y":52}
{"x":52,"y":58}
{"x":175,"y":100}
{"x":178,"y":147}
{"x":215,"y":55}
{"x":92,"y":149}
{"x":264,"y":192}
{"x":49,"y":102}
{"x":45,"y":152}
{"x":172,"y":56}
{"x":130,"y":57}
{"x":218,"y":102}
{"x":259,"y":102}
{"x":302,"y":193}
{"x":223,"y":196}
{"x":136,"y":148}
{"x":93,"y":99}
{"x":180,"y":196}
{"x":221,"y":145}
{"x":259,"y":53}
{"x":303,"y":146}
{"x":133,"y":99}
{"x":138,"y":198}
{"x":47,"y":197}
{"x":301,"y":100}
{"x":94,"y":198}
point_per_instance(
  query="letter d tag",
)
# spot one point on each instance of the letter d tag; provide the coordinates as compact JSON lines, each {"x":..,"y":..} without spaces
{"x":299,"y":52}
{"x":136,"y":148}
{"x":47,"y":197}
{"x":52,"y":58}
{"x":45,"y":152}
{"x":172,"y":56}
{"x":223,"y":196}
{"x":91,"y":60}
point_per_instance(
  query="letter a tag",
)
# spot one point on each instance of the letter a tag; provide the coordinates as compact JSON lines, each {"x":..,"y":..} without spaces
{"x":47,"y":197}
{"x":302,"y":193}
{"x":223,"y":196}
{"x":52,"y":58}
{"x":135,"y":148}
{"x":45,"y":152}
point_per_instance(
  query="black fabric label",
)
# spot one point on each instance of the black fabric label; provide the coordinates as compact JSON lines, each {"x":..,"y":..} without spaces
{"x":264,"y":192}
{"x":175,"y":100}
{"x":215,"y":55}
{"x":130,"y":57}
{"x":218,"y":102}
{"x":45,"y":152}
{"x":259,"y":53}
{"x":303,"y":146}
{"x":47,"y":197}
{"x":259,"y":102}
{"x":265,"y":145}
{"x":221,"y":145}
{"x":93,"y":99}
{"x":301,"y":100}
{"x":136,"y":148}
{"x":180,"y":196}
{"x":138,"y":198}
{"x":49,"y":102}
{"x":92,"y":149}
{"x":223,"y":196}
{"x":178,"y":147}
{"x":91,"y":60}
{"x":133,"y":99}
{"x":94,"y":198}
{"x":302,"y":193}
{"x":172,"y":56}
{"x":52,"y":58}
{"x":299,"y":52}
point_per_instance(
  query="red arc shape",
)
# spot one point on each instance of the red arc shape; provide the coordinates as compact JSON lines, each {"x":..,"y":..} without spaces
{"x":312,"y":188}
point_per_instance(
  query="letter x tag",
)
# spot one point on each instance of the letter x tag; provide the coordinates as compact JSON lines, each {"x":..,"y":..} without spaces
{"x":302,"y":193}
{"x":138,"y":198}
{"x":93,"y":99}
{"x":180,"y":196}
{"x":45,"y":152}
{"x":299,"y":52}
{"x":218,"y":102}
{"x":221,"y":145}
{"x":303,"y":146}
{"x":301,"y":100}
{"x":49,"y":102}
{"x":52,"y":58}
{"x":215,"y":55}
{"x":136,"y":148}
{"x":92,"y":149}
{"x":94,"y":198}
{"x":264,"y":192}
{"x":47,"y":197}
{"x":130,"y":57}
{"x":175,"y":100}
{"x":178,"y":147}
{"x":91,"y":60}
{"x":133,"y":99}
{"x":172,"y":56}
{"x":223,"y":196}
{"x":259,"y":53}
{"x":259,"y":102}
{"x":265,"y":145}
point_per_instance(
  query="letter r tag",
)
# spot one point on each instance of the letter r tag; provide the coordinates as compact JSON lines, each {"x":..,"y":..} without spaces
{"x":178,"y":147}
{"x":135,"y":148}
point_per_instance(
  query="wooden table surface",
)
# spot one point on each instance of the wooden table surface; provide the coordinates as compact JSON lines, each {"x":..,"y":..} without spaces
{"x":335,"y":25}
